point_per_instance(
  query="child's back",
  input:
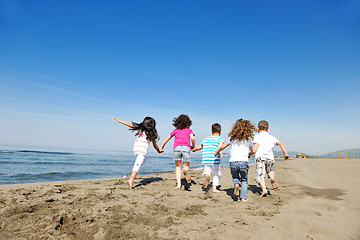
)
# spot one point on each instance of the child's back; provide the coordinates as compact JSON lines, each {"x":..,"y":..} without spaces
{"x":266,"y":144}
{"x":184,"y":142}
{"x":210,"y":145}
{"x":210,"y":161}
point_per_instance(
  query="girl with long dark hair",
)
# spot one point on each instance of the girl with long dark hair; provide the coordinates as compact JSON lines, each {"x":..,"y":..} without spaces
{"x":145,"y":133}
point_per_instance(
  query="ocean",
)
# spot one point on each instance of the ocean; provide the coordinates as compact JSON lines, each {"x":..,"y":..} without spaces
{"x":46,"y":165}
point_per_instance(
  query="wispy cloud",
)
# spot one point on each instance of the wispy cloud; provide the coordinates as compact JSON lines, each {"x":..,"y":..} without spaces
{"x":196,"y":9}
{"x":280,"y":108}
{"x":23,"y":114}
{"x":52,"y":79}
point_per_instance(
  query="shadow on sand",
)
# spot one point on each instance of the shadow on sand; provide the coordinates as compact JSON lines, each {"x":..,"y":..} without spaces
{"x":186,"y":184}
{"x":147,"y":181}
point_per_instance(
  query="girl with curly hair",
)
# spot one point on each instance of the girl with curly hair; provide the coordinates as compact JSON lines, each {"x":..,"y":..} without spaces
{"x":145,"y":133}
{"x":183,"y":136}
{"x":240,"y":142}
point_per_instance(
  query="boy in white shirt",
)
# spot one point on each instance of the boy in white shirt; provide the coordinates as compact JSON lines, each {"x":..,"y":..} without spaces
{"x":264,"y":156}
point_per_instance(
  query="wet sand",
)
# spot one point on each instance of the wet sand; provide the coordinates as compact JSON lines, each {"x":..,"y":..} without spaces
{"x":318,"y":199}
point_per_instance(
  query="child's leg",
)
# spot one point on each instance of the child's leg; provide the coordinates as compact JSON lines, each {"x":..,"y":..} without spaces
{"x":216,"y":179}
{"x":186,"y":162}
{"x":206,"y":175}
{"x":178,"y":174}
{"x":140,"y":160}
{"x":186,"y":167}
{"x":244,"y":168}
{"x":260,"y":176}
{"x":273,"y":181}
{"x":177,"y":158}
{"x":206,"y":180}
{"x":271,"y":174}
{"x":263,"y":187}
{"x":132,"y":178}
{"x":235,"y":170}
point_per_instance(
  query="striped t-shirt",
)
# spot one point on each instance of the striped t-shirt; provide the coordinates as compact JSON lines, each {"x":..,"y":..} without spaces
{"x":210,"y":145}
{"x":141,"y":144}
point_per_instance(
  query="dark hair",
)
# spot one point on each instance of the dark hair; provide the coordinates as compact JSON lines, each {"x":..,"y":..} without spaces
{"x":148,"y":126}
{"x":216,"y":128}
{"x":182,"y":121}
{"x":263,"y":125}
{"x":242,"y":130}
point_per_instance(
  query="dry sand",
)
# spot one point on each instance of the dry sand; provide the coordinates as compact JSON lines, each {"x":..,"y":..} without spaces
{"x":318,"y":199}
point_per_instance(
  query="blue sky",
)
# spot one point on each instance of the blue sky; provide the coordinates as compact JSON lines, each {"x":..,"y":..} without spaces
{"x":68,"y":67}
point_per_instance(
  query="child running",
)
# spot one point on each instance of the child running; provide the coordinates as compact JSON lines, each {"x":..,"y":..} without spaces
{"x":182,"y":146}
{"x":145,"y":132}
{"x":240,"y":138}
{"x":211,"y":162}
{"x":264,"y":156}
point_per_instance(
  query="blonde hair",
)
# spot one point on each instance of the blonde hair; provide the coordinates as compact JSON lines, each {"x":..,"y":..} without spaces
{"x":242,"y":130}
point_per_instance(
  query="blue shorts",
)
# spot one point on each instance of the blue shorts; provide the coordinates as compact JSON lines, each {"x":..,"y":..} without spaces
{"x":182,"y":153}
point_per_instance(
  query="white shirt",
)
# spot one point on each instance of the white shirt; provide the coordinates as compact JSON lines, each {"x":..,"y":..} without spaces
{"x":141,"y":144}
{"x":266,"y":144}
{"x":239,"y":150}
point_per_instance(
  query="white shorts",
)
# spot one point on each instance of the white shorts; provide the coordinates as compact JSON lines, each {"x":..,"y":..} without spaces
{"x":208,"y":169}
{"x":140,"y":160}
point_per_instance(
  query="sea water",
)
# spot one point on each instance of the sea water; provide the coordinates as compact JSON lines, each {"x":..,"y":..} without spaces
{"x":27,"y":166}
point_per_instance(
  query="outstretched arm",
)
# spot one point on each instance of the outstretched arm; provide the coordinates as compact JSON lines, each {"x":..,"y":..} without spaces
{"x":281,"y":145}
{"x":197,"y":148}
{"x":164,"y":142}
{"x":253,"y":149}
{"x":130,"y":125}
{"x":192,"y":137}
{"x":221,"y":147}
{"x":156,"y":147}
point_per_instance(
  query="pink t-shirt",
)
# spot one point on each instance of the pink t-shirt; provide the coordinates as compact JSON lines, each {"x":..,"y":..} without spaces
{"x":182,"y":137}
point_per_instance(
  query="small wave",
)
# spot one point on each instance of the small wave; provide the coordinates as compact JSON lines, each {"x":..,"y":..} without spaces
{"x":6,"y":151}
{"x":44,"y":152}
{"x":52,"y":176}
{"x":13,"y":162}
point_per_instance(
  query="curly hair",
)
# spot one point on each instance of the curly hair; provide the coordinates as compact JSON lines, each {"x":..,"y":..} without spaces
{"x":182,"y":121}
{"x":242,"y":130}
{"x":148,"y":126}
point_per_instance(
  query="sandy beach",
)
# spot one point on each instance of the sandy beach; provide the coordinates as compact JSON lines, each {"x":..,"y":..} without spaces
{"x":318,"y":199}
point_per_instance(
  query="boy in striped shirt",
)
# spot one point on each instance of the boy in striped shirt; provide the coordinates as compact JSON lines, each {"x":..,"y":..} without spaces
{"x":210,"y":162}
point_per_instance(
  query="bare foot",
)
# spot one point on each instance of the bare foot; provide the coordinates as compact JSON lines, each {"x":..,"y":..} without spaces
{"x":274,"y":184}
{"x":178,"y":188}
{"x":244,"y":200}
{"x":236,"y":190}
{"x":130,"y":182}
{"x":214,"y":190}
{"x":206,"y":181}
{"x":188,"y":178}
{"x":264,"y":194}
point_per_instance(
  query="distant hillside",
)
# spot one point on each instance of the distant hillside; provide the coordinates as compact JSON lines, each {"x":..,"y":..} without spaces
{"x":280,"y":153}
{"x":346,"y":153}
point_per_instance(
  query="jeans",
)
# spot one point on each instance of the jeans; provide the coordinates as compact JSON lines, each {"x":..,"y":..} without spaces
{"x":239,"y":172}
{"x":182,"y":153}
